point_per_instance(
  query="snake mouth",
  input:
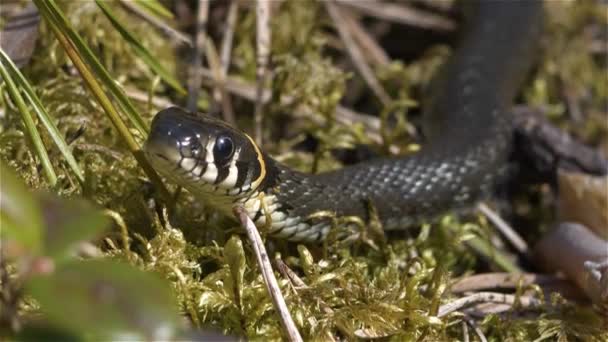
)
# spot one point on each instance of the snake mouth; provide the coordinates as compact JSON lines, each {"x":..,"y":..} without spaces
{"x":174,"y":147}
{"x":162,"y":154}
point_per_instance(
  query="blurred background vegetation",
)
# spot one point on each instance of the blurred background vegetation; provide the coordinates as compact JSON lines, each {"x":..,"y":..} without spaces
{"x":89,"y":252}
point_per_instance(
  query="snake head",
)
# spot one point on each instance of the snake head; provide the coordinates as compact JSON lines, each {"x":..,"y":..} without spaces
{"x":204,"y":154}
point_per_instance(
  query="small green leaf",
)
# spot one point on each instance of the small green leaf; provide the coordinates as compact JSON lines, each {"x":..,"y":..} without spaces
{"x":106,"y":299}
{"x":20,"y":218}
{"x":67,"y":222}
{"x":235,"y":258}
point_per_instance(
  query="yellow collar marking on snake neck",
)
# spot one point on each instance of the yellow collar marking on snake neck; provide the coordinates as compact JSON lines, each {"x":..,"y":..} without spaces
{"x":262,"y":164}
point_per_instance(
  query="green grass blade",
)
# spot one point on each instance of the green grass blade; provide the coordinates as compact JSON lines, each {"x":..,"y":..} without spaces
{"x":155,"y":7}
{"x":43,"y":115}
{"x":141,"y":51}
{"x":30,"y":126}
{"x":64,"y":33}
{"x":100,"y":71}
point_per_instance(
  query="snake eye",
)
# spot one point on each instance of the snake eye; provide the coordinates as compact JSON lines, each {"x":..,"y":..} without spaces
{"x":223,"y":149}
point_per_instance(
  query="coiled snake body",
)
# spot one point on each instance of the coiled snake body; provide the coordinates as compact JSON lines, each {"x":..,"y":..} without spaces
{"x":470,"y":134}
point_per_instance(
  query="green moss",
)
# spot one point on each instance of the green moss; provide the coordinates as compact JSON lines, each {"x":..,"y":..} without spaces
{"x":352,"y":291}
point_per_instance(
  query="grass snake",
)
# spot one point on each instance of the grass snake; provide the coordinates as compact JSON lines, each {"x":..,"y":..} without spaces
{"x":468,"y":125}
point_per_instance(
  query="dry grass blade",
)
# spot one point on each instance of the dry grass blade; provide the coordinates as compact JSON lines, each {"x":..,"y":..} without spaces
{"x":263,"y":36}
{"x":436,"y":5}
{"x":225,"y":56}
{"x":344,"y":115}
{"x":228,"y":38}
{"x":478,"y":331}
{"x":271,"y":282}
{"x":486,"y":297}
{"x":194,"y":79}
{"x":401,"y":13}
{"x":220,"y":95}
{"x":288,"y":273}
{"x":374,"y":52}
{"x":144,"y":97}
{"x":505,"y":229}
{"x":356,"y":54}
{"x":486,"y":281}
{"x":465,"y":331}
{"x":177,"y":36}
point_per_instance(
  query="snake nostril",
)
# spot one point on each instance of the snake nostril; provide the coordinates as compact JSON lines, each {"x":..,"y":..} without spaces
{"x":189,"y":148}
{"x":196,"y":151}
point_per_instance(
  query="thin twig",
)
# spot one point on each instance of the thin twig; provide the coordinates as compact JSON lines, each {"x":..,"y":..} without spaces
{"x":220,"y":95}
{"x":228,"y":38}
{"x":144,"y":97}
{"x":486,"y":297}
{"x":344,"y":115}
{"x":225,"y":56}
{"x":269,"y":279}
{"x":505,"y":229}
{"x":465,"y":331}
{"x":356,"y":55}
{"x":374,"y":52}
{"x":262,"y":54}
{"x":441,"y":6}
{"x":478,"y":331}
{"x":291,"y":275}
{"x":485,"y":309}
{"x":194,"y":82}
{"x":401,"y":13}
{"x":486,"y":281}
{"x":177,"y":36}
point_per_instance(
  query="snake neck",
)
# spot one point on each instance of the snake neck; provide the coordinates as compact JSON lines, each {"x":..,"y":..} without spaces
{"x":284,"y":205}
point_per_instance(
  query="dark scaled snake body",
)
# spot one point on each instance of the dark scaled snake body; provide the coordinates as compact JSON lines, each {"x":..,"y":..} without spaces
{"x":469,"y":135}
